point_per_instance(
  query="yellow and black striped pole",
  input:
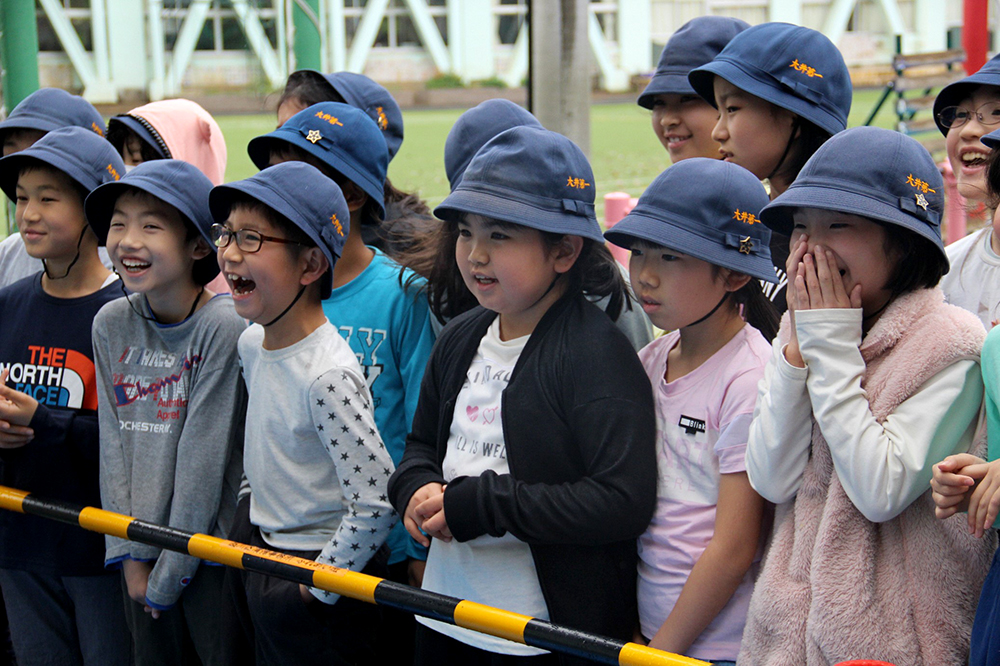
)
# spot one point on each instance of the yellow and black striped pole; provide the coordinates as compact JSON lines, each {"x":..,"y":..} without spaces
{"x":486,"y":619}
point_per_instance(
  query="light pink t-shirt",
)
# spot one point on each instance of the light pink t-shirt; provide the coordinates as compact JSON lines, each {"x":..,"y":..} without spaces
{"x":702,"y":422}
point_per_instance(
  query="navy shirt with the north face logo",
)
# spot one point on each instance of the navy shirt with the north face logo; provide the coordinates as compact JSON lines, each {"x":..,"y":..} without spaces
{"x":45,"y":344}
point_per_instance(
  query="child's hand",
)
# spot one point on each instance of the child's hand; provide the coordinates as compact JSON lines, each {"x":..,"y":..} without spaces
{"x":950,"y":484}
{"x":434,"y":522}
{"x":137,"y":580}
{"x":819,"y":285}
{"x":792,"y":354}
{"x":411,"y":521}
{"x":16,"y":411}
{"x":984,"y":503}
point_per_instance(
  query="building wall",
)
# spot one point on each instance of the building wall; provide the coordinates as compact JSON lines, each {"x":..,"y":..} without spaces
{"x":222,"y":60}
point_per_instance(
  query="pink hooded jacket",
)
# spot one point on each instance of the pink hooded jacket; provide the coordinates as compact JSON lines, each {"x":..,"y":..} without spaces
{"x":836,"y":586}
{"x":190,"y":134}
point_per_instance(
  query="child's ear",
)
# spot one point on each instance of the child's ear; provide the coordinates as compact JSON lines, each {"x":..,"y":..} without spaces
{"x":201,"y":249}
{"x":313,"y":265}
{"x":566,"y":251}
{"x":354,"y":196}
{"x":734,"y":281}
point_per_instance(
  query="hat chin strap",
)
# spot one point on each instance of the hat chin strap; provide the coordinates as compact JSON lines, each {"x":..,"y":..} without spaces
{"x":45,"y":266}
{"x":725,"y":296}
{"x":788,"y":149}
{"x":295,"y":300}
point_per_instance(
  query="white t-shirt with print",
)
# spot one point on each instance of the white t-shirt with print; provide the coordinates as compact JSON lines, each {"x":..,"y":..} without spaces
{"x":494,"y":571}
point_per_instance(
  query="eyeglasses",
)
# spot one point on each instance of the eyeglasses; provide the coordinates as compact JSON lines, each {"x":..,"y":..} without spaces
{"x":247,"y":240}
{"x":956,"y":116}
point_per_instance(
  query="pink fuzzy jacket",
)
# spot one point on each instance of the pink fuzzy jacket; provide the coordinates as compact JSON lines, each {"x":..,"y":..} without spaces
{"x":835,"y":586}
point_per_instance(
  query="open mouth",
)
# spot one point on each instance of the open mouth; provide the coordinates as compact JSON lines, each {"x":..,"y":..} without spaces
{"x":974,"y":159}
{"x":674,"y":140}
{"x":483,"y":280}
{"x":134,"y":265}
{"x":240,"y":286}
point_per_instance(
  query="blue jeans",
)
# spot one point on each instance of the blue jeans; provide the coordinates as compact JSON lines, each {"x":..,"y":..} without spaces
{"x":66,"y":620}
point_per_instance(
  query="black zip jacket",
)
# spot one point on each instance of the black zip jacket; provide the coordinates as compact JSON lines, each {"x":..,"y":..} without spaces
{"x":579,"y":428}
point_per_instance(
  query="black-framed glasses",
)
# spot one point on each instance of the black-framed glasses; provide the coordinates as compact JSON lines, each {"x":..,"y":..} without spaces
{"x":247,"y":240}
{"x":956,"y":116}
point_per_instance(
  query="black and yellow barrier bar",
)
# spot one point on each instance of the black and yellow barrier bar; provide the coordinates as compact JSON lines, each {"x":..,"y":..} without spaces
{"x":486,"y":619}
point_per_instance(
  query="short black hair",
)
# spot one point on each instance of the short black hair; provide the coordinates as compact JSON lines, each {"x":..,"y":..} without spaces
{"x":33,"y":164}
{"x":119,"y":132}
{"x":282,"y":225}
{"x":308,"y":88}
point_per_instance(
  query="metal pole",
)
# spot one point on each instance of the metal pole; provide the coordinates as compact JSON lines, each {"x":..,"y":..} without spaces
{"x":308,"y":46}
{"x":18,"y":51}
{"x":560,"y":68}
{"x":486,"y":619}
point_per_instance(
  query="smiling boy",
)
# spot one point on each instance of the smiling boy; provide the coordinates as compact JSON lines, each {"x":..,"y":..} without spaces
{"x":63,"y":607}
{"x":40,"y":112}
{"x":172,"y":404}
{"x":315,"y":463}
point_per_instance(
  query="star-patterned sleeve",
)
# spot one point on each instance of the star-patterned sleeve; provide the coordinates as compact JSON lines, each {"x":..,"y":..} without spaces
{"x":343,"y":417}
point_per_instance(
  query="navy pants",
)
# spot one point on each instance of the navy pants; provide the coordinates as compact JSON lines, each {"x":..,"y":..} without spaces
{"x":280,"y":628}
{"x":66,"y":620}
{"x":985,"y":647}
{"x":189,"y":633}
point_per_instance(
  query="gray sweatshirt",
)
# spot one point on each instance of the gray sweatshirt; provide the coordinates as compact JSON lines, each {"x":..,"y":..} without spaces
{"x":171,"y":408}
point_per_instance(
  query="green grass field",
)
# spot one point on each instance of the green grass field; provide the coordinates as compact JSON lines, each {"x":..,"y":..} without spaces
{"x":624,"y":153}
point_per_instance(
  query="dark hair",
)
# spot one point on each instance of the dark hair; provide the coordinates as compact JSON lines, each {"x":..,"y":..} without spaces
{"x":993,"y":179}
{"x":282,"y":225}
{"x":920,"y":264}
{"x":811,"y":137}
{"x":33,"y":164}
{"x":757,"y":309}
{"x":119,"y":132}
{"x":595,"y":273}
{"x":309,"y":89}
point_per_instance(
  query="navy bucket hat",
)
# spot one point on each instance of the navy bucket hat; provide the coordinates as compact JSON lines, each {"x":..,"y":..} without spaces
{"x":175,"y":182}
{"x":80,"y":153}
{"x":532,"y":177}
{"x":953,"y":93}
{"x":50,"y":109}
{"x":991,"y":140}
{"x":341,"y":137}
{"x":872,"y":172}
{"x":477,"y":126}
{"x":362,"y":93}
{"x":302,"y":194}
{"x":795,"y":68}
{"x":717,"y":224}
{"x":694,"y":44}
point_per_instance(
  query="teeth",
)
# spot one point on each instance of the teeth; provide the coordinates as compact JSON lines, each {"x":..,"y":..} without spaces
{"x":677,"y":139}
{"x":970,"y":158}
{"x":132,"y":263}
{"x":241,"y":285}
